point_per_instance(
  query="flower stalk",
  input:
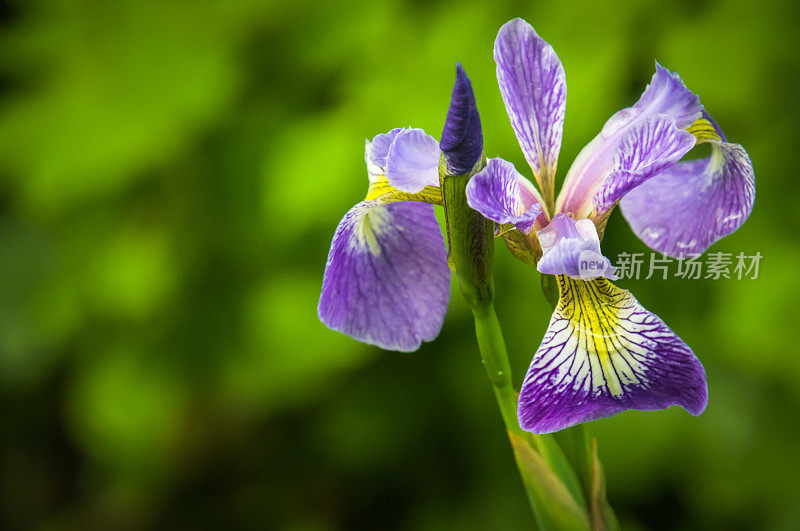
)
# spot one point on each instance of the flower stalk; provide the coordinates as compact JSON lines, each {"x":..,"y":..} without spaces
{"x":550,"y":500}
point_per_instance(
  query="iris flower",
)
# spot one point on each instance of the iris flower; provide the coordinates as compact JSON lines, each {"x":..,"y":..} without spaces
{"x":387,"y":281}
{"x":603,"y":352}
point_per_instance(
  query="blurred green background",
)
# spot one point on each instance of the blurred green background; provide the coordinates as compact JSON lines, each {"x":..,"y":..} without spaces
{"x":171,"y":173}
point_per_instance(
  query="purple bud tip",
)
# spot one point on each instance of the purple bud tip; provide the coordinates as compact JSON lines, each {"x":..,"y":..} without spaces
{"x":462,"y":139}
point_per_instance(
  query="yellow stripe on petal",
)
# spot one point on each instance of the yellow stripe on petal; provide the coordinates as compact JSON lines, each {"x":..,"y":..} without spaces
{"x":595,"y":310}
{"x":703,"y":130}
{"x":380,"y":189}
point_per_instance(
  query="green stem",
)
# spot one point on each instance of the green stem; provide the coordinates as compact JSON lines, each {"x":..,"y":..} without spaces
{"x":494,"y":355}
{"x":495,"y":360}
{"x":542,"y":465}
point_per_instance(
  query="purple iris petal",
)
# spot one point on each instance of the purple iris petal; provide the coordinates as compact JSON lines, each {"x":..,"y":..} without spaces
{"x":688,"y":207}
{"x":604,"y":353}
{"x":572,"y":248}
{"x":501,"y":194}
{"x":412,"y":162}
{"x":386,"y":281}
{"x":667,"y":95}
{"x":376,"y":151}
{"x":648,"y":148}
{"x":534,"y":89}
{"x":462,"y":137}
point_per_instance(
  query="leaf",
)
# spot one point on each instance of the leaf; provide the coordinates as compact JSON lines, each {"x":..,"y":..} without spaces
{"x":551,"y":451}
{"x":552,"y":502}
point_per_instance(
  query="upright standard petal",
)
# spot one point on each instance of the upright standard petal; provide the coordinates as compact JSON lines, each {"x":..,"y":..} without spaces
{"x":534,"y":89}
{"x":412,"y":161}
{"x":685,"y":209}
{"x":502,"y":194}
{"x":386,"y":281}
{"x":604,"y":353}
{"x":462,"y":137}
{"x":376,"y":151}
{"x":665,"y":95}
{"x":572,"y":248}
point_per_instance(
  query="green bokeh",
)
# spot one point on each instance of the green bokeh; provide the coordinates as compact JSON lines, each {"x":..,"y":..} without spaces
{"x":171,"y":173}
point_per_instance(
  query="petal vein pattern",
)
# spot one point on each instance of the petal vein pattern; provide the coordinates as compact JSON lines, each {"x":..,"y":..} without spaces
{"x":604,"y":353}
{"x":534,"y":89}
{"x":501,"y":194}
{"x":649,"y":147}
